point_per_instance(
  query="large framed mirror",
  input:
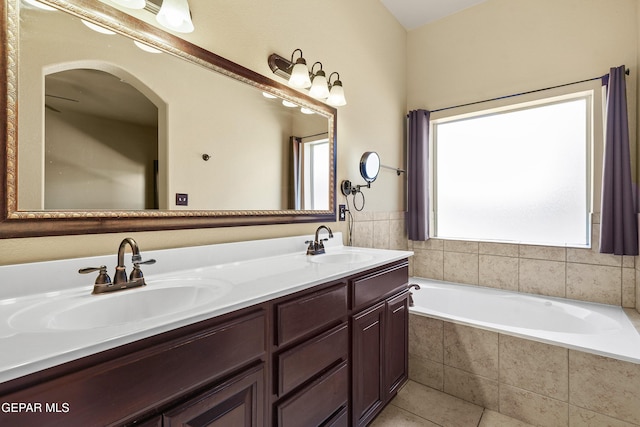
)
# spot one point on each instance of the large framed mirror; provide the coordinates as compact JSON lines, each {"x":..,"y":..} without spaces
{"x":103,"y":136}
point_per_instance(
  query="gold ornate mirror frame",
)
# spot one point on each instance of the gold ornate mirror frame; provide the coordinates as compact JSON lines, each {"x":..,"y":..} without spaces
{"x":17,"y":223}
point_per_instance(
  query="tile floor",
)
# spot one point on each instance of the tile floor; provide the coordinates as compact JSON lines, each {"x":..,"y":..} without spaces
{"x":420,"y":406}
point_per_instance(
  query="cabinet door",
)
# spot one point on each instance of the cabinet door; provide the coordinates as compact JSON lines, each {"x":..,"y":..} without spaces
{"x":396,"y":343}
{"x":237,"y":402}
{"x":367,"y":355}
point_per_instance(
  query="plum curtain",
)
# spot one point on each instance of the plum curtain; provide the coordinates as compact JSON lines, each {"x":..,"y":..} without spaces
{"x":418,"y":175}
{"x":618,"y":223}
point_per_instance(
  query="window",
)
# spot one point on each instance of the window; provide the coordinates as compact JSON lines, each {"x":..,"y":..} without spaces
{"x":519,"y":175}
{"x":316,"y":174}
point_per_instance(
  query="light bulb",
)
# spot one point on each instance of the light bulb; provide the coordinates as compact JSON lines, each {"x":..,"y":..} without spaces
{"x":131,"y":4}
{"x":175,"y":15}
{"x":40,"y":5}
{"x":97,"y":28}
{"x":336,"y":95}
{"x":300,"y":75}
{"x":319,"y":88}
{"x":146,"y":47}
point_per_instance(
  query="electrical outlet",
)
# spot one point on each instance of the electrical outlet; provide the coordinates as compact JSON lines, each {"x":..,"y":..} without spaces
{"x":342,"y":212}
{"x":182,"y":199}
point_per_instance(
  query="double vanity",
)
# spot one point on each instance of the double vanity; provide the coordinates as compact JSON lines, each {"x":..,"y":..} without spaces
{"x":251,"y":333}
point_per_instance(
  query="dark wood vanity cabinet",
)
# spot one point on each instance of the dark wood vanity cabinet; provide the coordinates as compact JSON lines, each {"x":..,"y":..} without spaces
{"x":311,"y":371}
{"x":143,"y":380}
{"x":379,"y":355}
{"x":332,"y":355}
{"x":237,"y":402}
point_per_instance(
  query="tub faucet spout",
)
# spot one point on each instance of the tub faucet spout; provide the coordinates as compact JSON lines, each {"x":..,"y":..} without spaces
{"x":417,"y":288}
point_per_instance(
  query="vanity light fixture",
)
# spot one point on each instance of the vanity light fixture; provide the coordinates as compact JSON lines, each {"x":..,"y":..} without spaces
{"x":296,"y":72}
{"x":305,"y":110}
{"x":176,"y":16}
{"x":39,"y":5}
{"x":299,"y":75}
{"x":97,"y":28}
{"x":146,"y":47}
{"x":131,"y":4}
{"x":336,"y":93}
{"x":288,"y":103}
{"x":319,"y":86}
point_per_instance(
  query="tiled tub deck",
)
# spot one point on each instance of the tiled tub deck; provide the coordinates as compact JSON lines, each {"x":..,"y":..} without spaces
{"x":538,"y":383}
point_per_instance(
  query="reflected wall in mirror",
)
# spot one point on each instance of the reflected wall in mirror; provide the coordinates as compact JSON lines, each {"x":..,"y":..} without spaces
{"x":109,"y":133}
{"x":101,"y":143}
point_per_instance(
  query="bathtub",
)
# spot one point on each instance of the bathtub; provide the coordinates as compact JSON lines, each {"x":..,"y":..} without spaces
{"x":600,"y":329}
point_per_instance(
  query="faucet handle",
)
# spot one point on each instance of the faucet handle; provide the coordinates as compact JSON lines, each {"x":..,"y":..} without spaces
{"x":136,"y":273}
{"x":102,"y":279}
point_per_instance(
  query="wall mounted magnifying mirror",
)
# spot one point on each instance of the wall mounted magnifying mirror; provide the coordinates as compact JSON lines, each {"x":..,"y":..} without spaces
{"x":369,"y":169}
{"x":370,"y":166}
{"x":56,"y":106}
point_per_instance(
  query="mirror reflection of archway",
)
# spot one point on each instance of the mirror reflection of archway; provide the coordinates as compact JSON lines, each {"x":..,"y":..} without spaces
{"x":101,"y":141}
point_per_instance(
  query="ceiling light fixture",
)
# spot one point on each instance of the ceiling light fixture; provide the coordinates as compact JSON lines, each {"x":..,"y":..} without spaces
{"x":299,"y":77}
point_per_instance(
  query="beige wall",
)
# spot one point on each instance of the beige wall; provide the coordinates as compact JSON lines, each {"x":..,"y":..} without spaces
{"x":359,"y":39}
{"x":502,"y":47}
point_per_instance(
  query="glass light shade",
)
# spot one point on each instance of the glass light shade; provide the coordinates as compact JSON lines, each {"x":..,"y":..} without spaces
{"x":146,"y":47}
{"x":269,"y":95}
{"x":97,"y":28}
{"x":40,"y":5}
{"x":336,"y":95}
{"x":300,"y":75}
{"x":131,"y":4}
{"x":305,"y":110}
{"x":175,"y":15}
{"x":319,"y":88}
{"x":288,"y":103}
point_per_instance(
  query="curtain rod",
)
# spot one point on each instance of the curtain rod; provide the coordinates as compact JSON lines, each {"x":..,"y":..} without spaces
{"x":524,"y":93}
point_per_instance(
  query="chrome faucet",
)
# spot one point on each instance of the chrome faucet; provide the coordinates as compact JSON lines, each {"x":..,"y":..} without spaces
{"x":316,"y":247}
{"x":120,"y":280}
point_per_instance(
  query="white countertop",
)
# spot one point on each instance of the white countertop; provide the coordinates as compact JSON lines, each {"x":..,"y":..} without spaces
{"x":247,"y":273}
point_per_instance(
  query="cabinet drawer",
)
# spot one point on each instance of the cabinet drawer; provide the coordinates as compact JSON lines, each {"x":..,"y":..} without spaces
{"x":312,"y":357}
{"x":305,"y":314}
{"x":373,"y":287}
{"x":318,"y":402}
{"x":237,"y":402}
{"x":144,"y":380}
{"x":341,"y":419}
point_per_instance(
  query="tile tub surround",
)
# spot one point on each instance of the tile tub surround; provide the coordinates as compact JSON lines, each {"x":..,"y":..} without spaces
{"x":256,"y":271}
{"x":575,"y":273}
{"x":582,"y":274}
{"x":537,"y":383}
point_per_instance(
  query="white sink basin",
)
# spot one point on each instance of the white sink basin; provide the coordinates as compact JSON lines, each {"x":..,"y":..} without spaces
{"x":159,"y":298}
{"x":341,"y":258}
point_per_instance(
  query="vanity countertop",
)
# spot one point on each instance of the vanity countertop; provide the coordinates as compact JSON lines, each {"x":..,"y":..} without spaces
{"x":223,"y":278}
